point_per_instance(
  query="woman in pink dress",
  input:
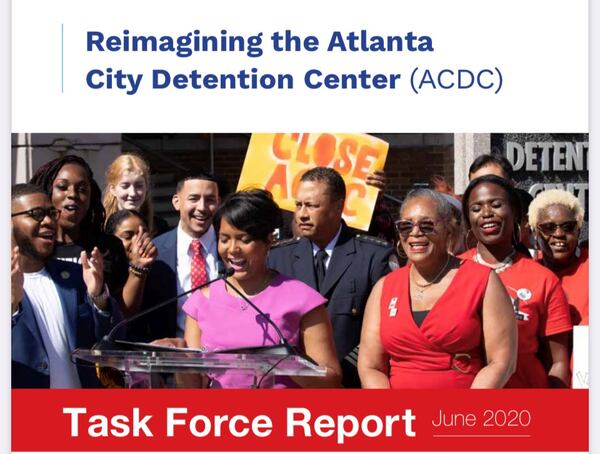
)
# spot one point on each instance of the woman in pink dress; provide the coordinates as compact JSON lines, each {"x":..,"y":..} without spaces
{"x":439,"y":322}
{"x":219,"y":319}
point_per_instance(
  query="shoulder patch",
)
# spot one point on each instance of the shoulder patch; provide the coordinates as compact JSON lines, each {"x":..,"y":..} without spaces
{"x":286,"y":242}
{"x":372,"y":240}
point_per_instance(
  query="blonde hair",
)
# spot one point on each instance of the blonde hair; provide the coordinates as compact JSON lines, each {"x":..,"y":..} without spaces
{"x":551,"y":197}
{"x":128,"y":163}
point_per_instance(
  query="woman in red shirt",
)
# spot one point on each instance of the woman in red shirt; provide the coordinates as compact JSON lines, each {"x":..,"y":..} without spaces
{"x":556,"y":216}
{"x":492,"y":210}
{"x":439,"y":322}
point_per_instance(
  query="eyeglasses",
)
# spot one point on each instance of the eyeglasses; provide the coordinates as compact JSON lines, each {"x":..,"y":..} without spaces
{"x":549,"y":228}
{"x":40,"y":213}
{"x":426,"y":226}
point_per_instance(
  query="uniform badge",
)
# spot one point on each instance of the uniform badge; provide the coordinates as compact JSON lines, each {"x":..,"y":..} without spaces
{"x":65,"y":274}
{"x":392,"y":307}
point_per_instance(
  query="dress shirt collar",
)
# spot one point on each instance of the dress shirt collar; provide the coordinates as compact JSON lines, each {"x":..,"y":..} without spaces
{"x":329,"y":247}
{"x":184,"y":240}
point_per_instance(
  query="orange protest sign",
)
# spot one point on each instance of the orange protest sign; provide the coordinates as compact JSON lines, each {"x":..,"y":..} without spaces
{"x":277,"y":161}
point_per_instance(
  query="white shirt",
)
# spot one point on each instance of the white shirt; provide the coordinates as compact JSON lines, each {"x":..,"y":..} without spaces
{"x":328,"y":249}
{"x":50,"y":317}
{"x":184,"y":266}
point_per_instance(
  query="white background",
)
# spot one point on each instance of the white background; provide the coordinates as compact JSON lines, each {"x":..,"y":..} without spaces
{"x":541,"y":47}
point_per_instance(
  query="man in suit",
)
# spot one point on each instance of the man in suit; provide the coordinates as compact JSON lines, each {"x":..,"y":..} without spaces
{"x":340,"y":264}
{"x":187,"y":257}
{"x":56,"y":306}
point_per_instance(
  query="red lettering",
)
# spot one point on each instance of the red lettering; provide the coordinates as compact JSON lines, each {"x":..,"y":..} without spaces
{"x":278,"y":151}
{"x":366,"y":157}
{"x":344,"y":164}
{"x":360,"y":191}
{"x":324,"y":150}
{"x":302,"y":155}
{"x":278,"y":179}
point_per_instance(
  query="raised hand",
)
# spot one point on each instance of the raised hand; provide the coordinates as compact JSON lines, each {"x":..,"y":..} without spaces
{"x":142,"y":252}
{"x":93,"y":272}
{"x":377,"y":179}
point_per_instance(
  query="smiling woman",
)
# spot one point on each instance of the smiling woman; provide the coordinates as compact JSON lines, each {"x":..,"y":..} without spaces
{"x":439,"y":322}
{"x":218,"y":318}
{"x":557,"y":217}
{"x":493,"y":212}
{"x":69,"y":182}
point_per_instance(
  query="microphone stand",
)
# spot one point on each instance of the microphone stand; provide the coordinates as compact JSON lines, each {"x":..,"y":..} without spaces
{"x":282,"y":348}
{"x":108,"y":342}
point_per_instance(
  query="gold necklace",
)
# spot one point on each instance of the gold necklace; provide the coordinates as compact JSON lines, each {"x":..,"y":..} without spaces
{"x":497,"y":267}
{"x":263,"y":285}
{"x":420,"y":291}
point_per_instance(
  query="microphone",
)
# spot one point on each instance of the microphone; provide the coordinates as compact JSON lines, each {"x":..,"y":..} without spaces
{"x":283,"y":348}
{"x":108,"y":342}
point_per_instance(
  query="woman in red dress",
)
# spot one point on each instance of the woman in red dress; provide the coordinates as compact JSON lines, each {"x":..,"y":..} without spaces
{"x":439,"y":322}
{"x":492,"y":210}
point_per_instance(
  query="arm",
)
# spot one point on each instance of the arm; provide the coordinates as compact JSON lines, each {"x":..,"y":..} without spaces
{"x":316,"y":339}
{"x":499,"y":337}
{"x":559,"y":374}
{"x":193,"y":339}
{"x":373,"y":361}
{"x":142,"y":254}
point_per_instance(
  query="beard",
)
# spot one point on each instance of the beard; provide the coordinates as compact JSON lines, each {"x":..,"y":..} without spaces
{"x":27,"y":248}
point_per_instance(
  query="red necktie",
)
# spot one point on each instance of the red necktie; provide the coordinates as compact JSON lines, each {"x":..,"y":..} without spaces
{"x":199,"y":275}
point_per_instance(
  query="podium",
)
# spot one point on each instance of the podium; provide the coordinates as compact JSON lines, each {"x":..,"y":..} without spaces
{"x":258,"y":369}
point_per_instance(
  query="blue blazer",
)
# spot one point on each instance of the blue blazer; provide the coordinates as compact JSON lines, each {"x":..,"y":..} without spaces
{"x":84,"y":327}
{"x":356,"y":264}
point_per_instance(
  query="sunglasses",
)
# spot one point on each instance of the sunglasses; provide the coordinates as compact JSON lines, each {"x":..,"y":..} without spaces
{"x":405,"y":227}
{"x":40,"y":213}
{"x":549,"y":228}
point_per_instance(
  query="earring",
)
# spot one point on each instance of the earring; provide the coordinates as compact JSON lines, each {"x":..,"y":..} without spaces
{"x":517,"y":231}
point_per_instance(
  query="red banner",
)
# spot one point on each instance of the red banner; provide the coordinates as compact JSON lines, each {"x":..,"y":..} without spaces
{"x":299,"y":420}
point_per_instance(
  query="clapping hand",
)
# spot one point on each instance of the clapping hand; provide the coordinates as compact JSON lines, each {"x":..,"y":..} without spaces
{"x":142,"y":251}
{"x":93,"y":272}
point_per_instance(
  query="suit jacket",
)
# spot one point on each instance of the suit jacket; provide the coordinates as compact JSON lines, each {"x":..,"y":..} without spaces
{"x":84,"y":326}
{"x":356,"y":264}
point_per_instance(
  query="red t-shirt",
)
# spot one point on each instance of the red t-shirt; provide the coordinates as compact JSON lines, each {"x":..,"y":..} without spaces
{"x":541,"y":310}
{"x":575,"y":281}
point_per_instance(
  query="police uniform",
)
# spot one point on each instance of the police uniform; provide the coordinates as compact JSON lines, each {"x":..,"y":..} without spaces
{"x":356,"y":264}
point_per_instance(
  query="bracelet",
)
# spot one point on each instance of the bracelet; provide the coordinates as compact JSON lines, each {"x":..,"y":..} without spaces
{"x":102,"y":297}
{"x":139,"y":271}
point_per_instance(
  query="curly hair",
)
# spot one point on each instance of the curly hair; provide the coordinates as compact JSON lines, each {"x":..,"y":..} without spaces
{"x":128,"y":162}
{"x":551,"y":197}
{"x":44,"y":177}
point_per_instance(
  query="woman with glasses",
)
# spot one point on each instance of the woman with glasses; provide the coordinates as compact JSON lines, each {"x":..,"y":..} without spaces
{"x":556,"y":217}
{"x":439,"y":322}
{"x":493,"y":212}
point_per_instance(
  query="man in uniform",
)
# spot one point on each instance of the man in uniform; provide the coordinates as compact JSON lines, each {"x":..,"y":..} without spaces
{"x":340,"y":264}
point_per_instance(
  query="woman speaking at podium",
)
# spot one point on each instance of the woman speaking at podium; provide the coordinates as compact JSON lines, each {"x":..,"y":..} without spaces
{"x":218,"y":318}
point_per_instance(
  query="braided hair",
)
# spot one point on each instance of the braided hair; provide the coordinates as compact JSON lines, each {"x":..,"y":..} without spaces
{"x":44,"y":177}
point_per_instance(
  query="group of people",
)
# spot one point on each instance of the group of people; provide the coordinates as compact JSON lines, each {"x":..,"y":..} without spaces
{"x":477,"y":303}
